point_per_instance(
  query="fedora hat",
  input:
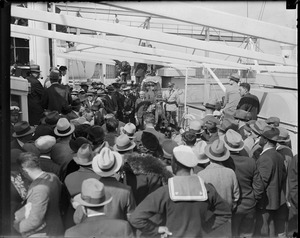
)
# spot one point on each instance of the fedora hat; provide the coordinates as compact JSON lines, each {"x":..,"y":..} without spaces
{"x":107,"y":162}
{"x":198,"y":149}
{"x":54,"y":75}
{"x":45,"y":143}
{"x":75,"y":103}
{"x":75,"y":144}
{"x":271,"y":133}
{"x":242,"y":115}
{"x":83,"y":84}
{"x":273,"y":121}
{"x":64,"y":127}
{"x":22,"y":128}
{"x":110,"y":88}
{"x":217,"y":151}
{"x":92,"y":194}
{"x":185,"y":156}
{"x":195,"y":126}
{"x":228,"y":123}
{"x":123,"y":143}
{"x":234,"y":77}
{"x":167,"y":147}
{"x":52,"y":118}
{"x":247,"y":125}
{"x":43,"y":130}
{"x":84,"y":155}
{"x":283,"y":135}
{"x":35,"y":68}
{"x":233,"y":140}
{"x":258,"y":126}
{"x":150,"y":142}
{"x":90,"y":93}
{"x":129,"y":129}
{"x":95,"y":133}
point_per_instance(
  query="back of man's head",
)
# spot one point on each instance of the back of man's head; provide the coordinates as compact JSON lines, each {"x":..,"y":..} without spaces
{"x":246,"y":86}
{"x":112,"y":124}
{"x":149,"y":119}
{"x":189,"y":138}
{"x":28,"y":160}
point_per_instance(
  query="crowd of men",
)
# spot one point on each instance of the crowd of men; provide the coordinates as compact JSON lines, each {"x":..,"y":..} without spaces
{"x":90,"y":164}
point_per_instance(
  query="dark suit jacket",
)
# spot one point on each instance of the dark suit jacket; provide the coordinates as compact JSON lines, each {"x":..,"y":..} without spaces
{"x":57,"y":98}
{"x":249,"y":103}
{"x":250,"y":182}
{"x":35,"y":109}
{"x":272,"y":170}
{"x":100,"y":226}
{"x":44,"y":194}
{"x":48,"y":165}
{"x":110,"y":104}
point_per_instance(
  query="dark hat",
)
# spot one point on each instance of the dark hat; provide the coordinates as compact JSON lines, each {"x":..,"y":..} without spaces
{"x":258,"y":127}
{"x":54,"y":75}
{"x":35,"y":68}
{"x":75,"y":144}
{"x":228,"y":123}
{"x":83,"y":84}
{"x":90,"y":93}
{"x":150,"y":141}
{"x":271,"y":133}
{"x":95,"y":133}
{"x":14,"y":108}
{"x":52,"y":118}
{"x":275,"y":121}
{"x":242,"y":115}
{"x":234,"y":77}
{"x":212,"y":122}
{"x":217,"y":151}
{"x":110,"y":88}
{"x":74,"y":92}
{"x":247,"y":125}
{"x":167,"y":147}
{"x":75,"y":103}
{"x":116,"y":85}
{"x":62,"y":68}
{"x":43,"y":130}
{"x":101,"y":92}
{"x":22,"y":128}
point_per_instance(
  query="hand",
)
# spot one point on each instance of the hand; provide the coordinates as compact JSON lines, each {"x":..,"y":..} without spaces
{"x":164,"y":231}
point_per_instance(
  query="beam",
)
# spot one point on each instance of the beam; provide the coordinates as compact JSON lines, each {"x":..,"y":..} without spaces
{"x":207,"y":17}
{"x":119,"y":46}
{"x":153,"y":36}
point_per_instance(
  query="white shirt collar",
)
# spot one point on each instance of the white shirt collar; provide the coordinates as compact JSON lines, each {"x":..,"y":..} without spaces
{"x":96,"y":214}
{"x":266,"y":150}
{"x":20,"y":143}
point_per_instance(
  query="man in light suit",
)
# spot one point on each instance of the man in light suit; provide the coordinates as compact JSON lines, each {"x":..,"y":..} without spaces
{"x":171,"y":98}
{"x":97,"y":224}
{"x":41,"y":215}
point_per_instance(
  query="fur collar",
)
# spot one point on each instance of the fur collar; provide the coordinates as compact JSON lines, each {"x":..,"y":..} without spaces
{"x":146,"y":164}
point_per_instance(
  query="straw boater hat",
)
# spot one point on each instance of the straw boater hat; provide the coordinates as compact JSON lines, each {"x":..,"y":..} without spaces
{"x":92,"y":194}
{"x":45,"y":143}
{"x":129,"y":129}
{"x":64,"y":127}
{"x":185,"y":156}
{"x":195,"y":126}
{"x":233,"y":140}
{"x":107,"y":162}
{"x":217,"y":151}
{"x":22,"y":128}
{"x":123,"y":143}
{"x":84,"y":155}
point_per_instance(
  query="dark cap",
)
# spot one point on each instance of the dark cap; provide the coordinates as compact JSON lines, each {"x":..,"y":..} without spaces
{"x":275,"y":121}
{"x":234,"y":77}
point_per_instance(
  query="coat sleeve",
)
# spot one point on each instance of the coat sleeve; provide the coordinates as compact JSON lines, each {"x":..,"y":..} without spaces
{"x":153,"y":204}
{"x":236,"y":192}
{"x":293,"y":181}
{"x":265,"y":169}
{"x":257,"y":184}
{"x":39,"y":199}
{"x":219,"y":207}
{"x":131,"y":205}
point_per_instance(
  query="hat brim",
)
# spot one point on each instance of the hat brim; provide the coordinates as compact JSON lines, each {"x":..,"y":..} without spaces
{"x":129,"y":148}
{"x":68,"y":133}
{"x":77,"y":161}
{"x":203,"y":161}
{"x":210,"y":156}
{"x":234,"y":149}
{"x":32,"y":129}
{"x":114,"y":169}
{"x":254,"y":129}
{"x":78,"y":199}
